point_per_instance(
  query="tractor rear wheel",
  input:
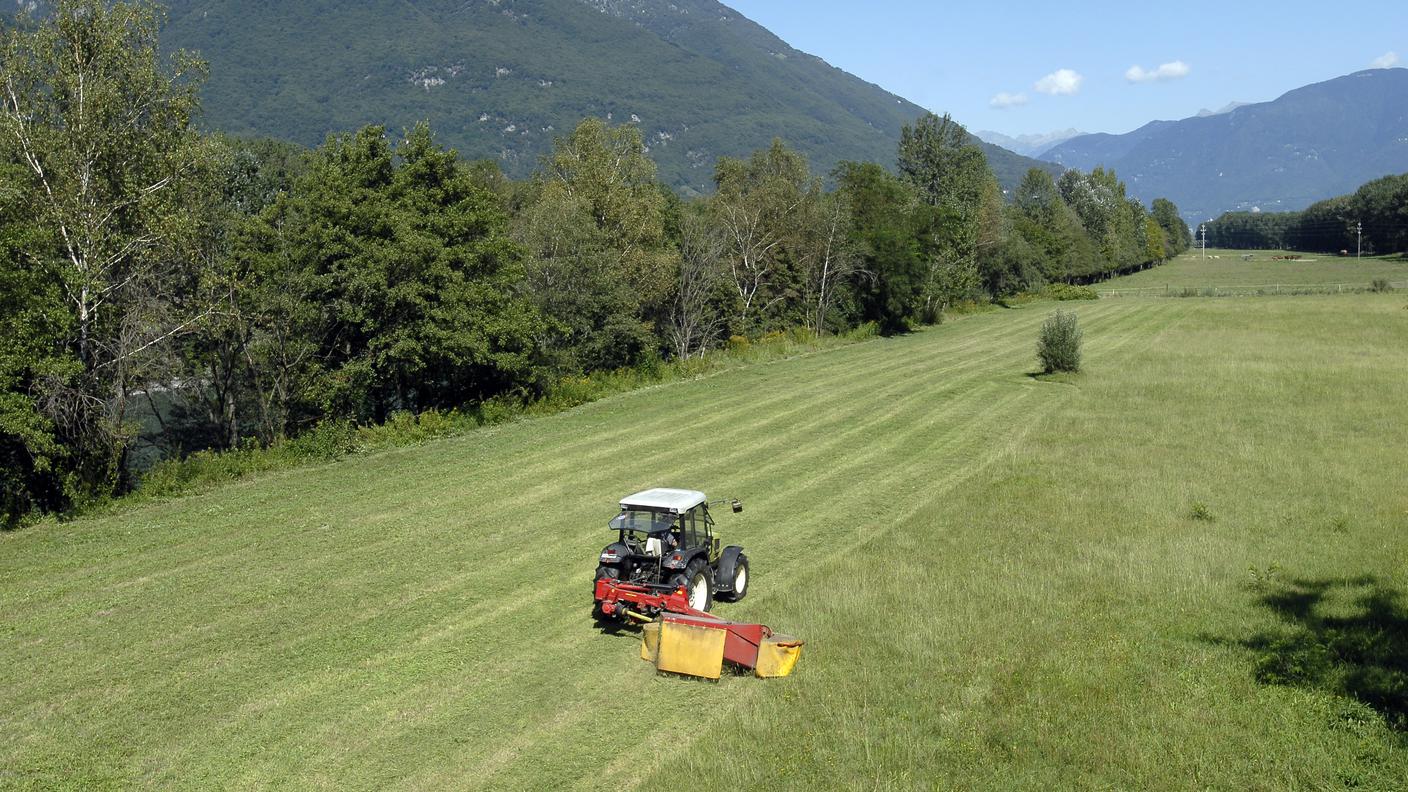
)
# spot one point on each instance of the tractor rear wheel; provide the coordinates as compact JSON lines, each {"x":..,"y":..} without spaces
{"x":608,"y":572}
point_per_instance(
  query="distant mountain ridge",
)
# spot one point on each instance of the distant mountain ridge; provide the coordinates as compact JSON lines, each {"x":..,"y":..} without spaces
{"x":1312,"y":143}
{"x":1029,"y":145}
{"x":500,"y":79}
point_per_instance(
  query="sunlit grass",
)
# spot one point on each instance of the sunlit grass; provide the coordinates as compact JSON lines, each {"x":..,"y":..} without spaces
{"x":1231,"y":268}
{"x":999,"y":578}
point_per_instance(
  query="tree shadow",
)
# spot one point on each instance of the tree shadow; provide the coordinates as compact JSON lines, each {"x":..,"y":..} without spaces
{"x":1363,"y":656}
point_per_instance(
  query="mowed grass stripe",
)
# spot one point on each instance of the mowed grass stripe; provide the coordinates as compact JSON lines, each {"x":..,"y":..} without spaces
{"x":804,"y":519}
{"x":898,"y":377}
{"x":782,"y":444}
{"x":573,"y":592}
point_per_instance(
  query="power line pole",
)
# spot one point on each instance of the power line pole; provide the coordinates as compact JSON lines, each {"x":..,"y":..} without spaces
{"x":1203,"y":232}
{"x":1359,"y":244}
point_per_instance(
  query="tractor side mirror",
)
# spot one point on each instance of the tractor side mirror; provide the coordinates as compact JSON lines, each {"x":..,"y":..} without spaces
{"x":737,"y":506}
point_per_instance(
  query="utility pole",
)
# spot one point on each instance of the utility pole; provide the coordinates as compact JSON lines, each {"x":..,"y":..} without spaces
{"x":1359,"y":243}
{"x":1203,"y":232}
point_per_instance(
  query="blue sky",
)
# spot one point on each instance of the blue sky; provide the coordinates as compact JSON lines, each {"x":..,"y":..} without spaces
{"x":960,"y":57}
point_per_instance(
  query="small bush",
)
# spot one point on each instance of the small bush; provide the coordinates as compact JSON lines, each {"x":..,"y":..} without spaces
{"x":1380,"y":285}
{"x":328,"y":441}
{"x":1059,"y":345}
{"x":738,"y":343}
{"x":1065,"y":291}
{"x":1200,"y":512}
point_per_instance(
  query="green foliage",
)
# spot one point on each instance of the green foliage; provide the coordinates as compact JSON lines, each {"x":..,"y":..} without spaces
{"x":1065,"y":291}
{"x":949,"y":174}
{"x":411,"y":271}
{"x":1177,"y":236}
{"x":887,"y":222}
{"x":767,"y":208}
{"x":592,"y":223}
{"x":1379,"y":207}
{"x":102,"y":170}
{"x":1059,"y":346}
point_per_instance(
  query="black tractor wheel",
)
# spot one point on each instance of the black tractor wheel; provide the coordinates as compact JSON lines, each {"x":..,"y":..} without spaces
{"x":698,"y":584}
{"x":605,"y":572}
{"x":740,"y":579}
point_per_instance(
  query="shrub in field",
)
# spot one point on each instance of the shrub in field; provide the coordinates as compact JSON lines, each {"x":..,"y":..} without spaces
{"x":328,"y":441}
{"x":1059,"y":345}
{"x":1065,"y":291}
{"x":1200,"y":512}
{"x":1380,"y":285}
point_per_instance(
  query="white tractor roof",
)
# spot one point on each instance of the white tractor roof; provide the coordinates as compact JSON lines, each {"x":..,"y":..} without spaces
{"x":676,"y":501}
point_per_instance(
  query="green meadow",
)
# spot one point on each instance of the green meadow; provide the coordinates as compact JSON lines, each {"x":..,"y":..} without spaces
{"x":1241,"y":269}
{"x":1184,"y":568}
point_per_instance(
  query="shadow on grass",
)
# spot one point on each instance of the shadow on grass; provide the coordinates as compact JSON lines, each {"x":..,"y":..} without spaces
{"x":1363,"y":655}
{"x":1057,"y":377}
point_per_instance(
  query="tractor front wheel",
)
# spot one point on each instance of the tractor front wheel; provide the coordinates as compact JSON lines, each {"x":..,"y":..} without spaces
{"x":740,"y":579}
{"x":698,"y":585}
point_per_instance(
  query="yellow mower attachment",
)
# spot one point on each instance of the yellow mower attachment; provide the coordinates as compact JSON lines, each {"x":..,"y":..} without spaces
{"x":698,"y":646}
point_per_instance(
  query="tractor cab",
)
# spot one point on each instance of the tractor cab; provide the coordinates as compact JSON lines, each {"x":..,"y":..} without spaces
{"x":666,"y":524}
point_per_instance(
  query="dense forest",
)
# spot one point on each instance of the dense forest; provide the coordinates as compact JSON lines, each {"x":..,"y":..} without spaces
{"x":1375,"y":215}
{"x":241,"y":292}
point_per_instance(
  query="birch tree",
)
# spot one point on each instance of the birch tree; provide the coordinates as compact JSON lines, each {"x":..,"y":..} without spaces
{"x":100,"y":124}
{"x":756,"y":203}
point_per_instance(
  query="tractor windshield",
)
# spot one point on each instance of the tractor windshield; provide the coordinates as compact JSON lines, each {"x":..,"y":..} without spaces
{"x":647,"y":522}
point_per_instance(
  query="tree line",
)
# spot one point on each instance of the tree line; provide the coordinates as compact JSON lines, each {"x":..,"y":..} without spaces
{"x":215,"y":293}
{"x":1375,"y":215}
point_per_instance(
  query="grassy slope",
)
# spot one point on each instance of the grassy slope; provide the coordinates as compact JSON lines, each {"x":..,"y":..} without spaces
{"x":1191,"y":270}
{"x":418,"y":619}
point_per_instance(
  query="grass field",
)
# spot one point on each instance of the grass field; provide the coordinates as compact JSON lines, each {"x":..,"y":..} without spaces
{"x":1225,"y":268}
{"x":1183,"y":568}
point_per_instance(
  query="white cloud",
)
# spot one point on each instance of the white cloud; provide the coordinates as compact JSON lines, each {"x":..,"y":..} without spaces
{"x":1166,"y":71}
{"x":1005,"y":100}
{"x":1062,"y":82}
{"x":1385,"y":61}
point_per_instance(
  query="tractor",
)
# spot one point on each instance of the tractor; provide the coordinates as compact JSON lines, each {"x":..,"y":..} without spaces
{"x":662,"y":573}
{"x":665,"y":542}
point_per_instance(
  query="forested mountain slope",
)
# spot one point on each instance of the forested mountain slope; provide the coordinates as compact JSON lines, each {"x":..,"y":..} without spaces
{"x":1312,"y":143}
{"x":500,"y":78}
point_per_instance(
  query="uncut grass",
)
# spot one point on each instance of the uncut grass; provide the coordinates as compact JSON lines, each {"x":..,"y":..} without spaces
{"x":1059,"y":619}
{"x":419,"y":616}
{"x":1191,"y":271}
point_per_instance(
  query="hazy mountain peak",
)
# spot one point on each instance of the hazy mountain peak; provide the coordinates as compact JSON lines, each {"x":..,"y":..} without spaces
{"x":1229,"y":107}
{"x":1030,"y":145}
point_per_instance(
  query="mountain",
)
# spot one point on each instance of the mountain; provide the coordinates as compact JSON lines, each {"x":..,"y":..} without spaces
{"x":1227,"y":108}
{"x":1313,"y":143}
{"x":501,"y":78}
{"x":1030,"y":145}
